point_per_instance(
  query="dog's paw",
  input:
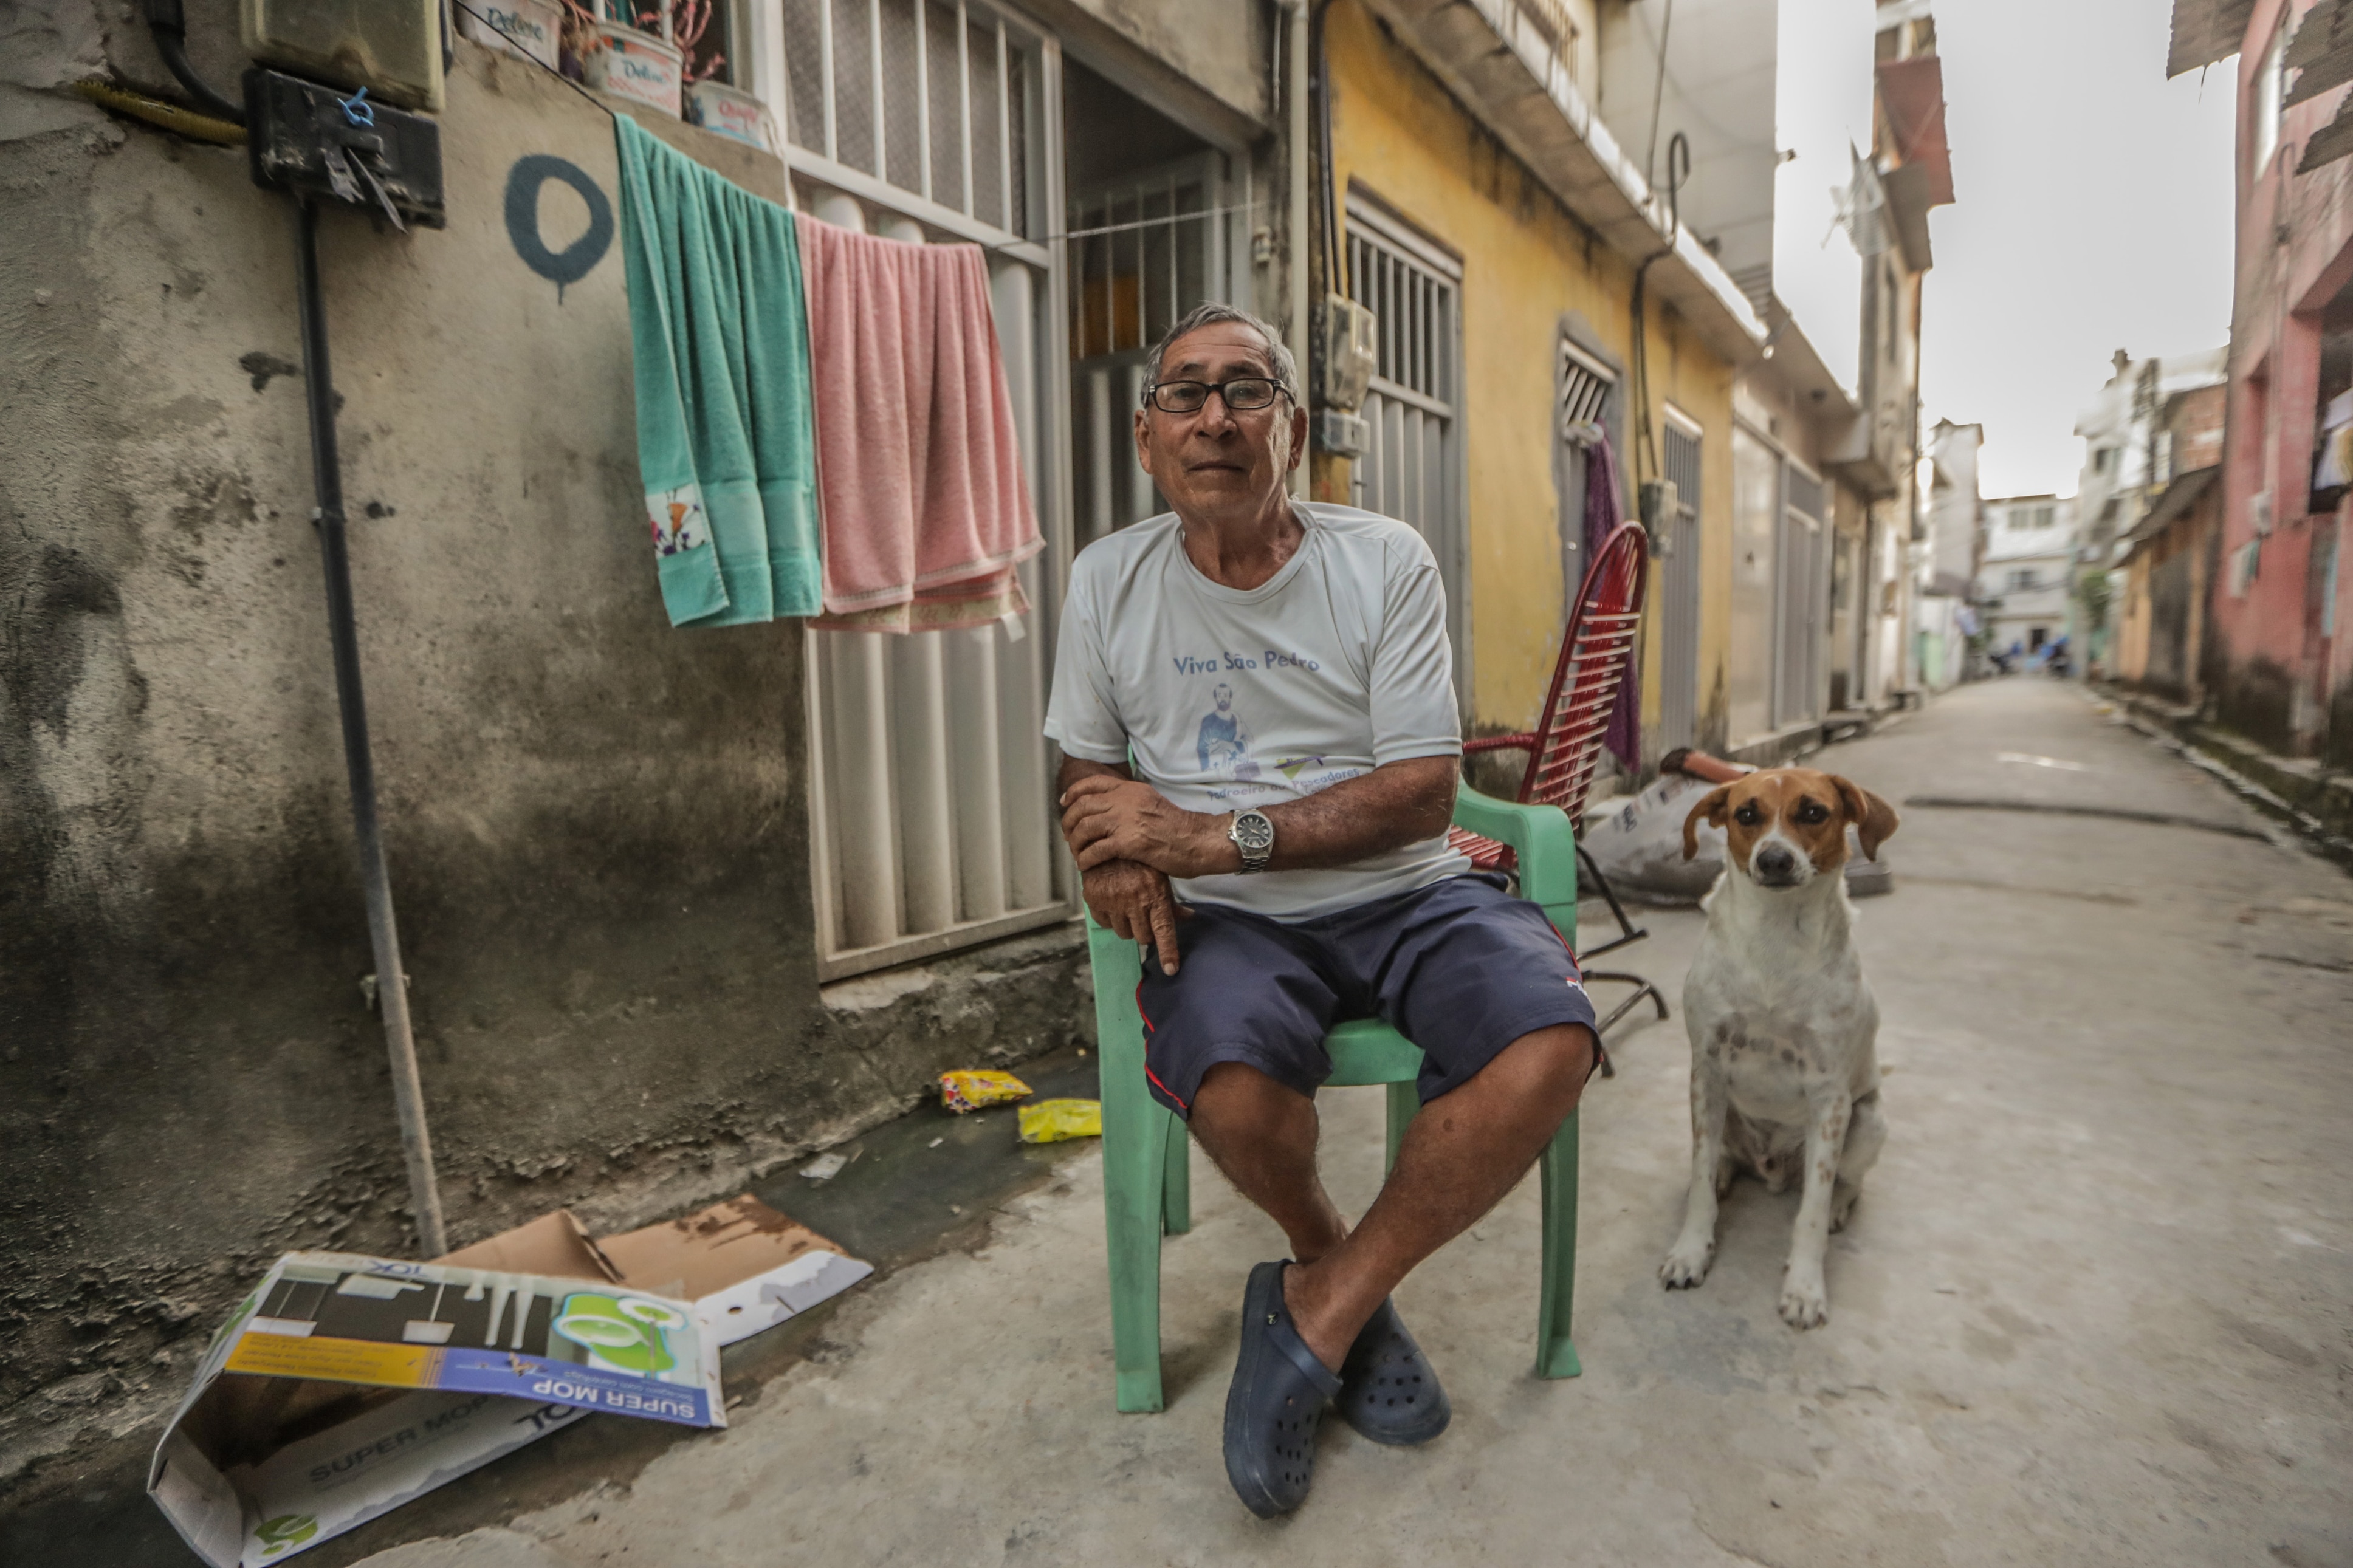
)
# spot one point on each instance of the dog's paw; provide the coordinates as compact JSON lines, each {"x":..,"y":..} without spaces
{"x":1686,"y":1266}
{"x":1843,"y":1201}
{"x":1804,"y":1303}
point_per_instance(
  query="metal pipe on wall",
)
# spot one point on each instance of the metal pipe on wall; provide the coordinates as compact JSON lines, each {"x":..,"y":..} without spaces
{"x":375,"y":878}
{"x":1295,"y":92}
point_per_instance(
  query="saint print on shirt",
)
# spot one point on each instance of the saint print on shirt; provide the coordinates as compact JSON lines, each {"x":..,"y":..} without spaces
{"x":1223,"y":743}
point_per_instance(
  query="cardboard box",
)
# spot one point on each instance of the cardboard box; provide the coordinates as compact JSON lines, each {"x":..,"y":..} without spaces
{"x":745,"y":1267}
{"x":345,"y":1385}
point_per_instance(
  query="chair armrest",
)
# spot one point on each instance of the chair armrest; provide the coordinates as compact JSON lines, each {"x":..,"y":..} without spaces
{"x":1542,"y":841}
{"x":1499,"y":744}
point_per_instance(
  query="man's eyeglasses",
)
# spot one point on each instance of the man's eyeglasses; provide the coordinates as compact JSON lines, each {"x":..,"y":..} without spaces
{"x":1243,"y":394}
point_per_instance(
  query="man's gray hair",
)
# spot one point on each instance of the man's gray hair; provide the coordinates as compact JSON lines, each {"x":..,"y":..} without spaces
{"x":1211,"y":314}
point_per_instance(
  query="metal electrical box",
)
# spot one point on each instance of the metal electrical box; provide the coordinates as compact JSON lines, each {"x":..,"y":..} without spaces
{"x":1658,"y":501}
{"x":392,"y":47}
{"x":1350,"y":342}
{"x":316,"y":141}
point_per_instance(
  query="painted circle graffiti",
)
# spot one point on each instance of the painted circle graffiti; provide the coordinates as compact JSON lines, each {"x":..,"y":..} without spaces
{"x":573,"y":261}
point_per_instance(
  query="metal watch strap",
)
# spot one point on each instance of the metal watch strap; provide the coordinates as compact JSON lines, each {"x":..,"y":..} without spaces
{"x":1251,"y":860}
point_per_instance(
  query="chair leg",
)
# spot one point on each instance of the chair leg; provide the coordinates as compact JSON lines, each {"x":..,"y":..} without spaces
{"x":1641,"y":988}
{"x":1404,"y":1100}
{"x":1555,"y":1356}
{"x":1136,"y":1157}
{"x":1590,"y":879}
{"x":1177,"y":1180}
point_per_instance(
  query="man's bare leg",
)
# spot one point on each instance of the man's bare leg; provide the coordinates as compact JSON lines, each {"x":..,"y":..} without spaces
{"x":1460,"y":1155}
{"x":1262,"y":1135}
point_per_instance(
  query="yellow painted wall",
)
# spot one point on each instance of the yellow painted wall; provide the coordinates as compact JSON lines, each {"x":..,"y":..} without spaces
{"x":1398,"y":135}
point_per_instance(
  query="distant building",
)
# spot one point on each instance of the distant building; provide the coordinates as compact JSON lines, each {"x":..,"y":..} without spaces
{"x":2126,"y":465}
{"x":1943,"y":618}
{"x":2026,"y":572}
{"x":2165,"y":565}
{"x":1914,"y":166}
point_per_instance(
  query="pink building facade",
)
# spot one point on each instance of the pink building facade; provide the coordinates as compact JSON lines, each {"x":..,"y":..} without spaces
{"x":2273,"y":667}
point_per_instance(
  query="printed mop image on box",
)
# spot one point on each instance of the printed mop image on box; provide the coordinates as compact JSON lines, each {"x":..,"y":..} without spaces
{"x":419,"y":1325}
{"x":347,"y":1385}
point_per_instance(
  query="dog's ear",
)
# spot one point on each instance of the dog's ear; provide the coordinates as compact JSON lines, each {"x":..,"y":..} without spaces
{"x":1874,"y":820}
{"x":1711,"y":806}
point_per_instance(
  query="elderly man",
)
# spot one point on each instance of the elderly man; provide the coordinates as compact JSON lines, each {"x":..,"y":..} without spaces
{"x":1296,"y":873}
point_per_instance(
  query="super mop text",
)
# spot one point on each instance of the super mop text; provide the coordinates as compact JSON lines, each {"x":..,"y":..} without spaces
{"x":432,"y":1427}
{"x":614,"y":1398}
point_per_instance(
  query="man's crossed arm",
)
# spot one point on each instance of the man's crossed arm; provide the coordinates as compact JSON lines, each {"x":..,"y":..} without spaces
{"x":1130,"y":839}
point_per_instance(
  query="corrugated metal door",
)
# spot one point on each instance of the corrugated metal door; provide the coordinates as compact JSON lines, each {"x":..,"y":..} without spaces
{"x":938,"y":119}
{"x":1798,"y":600}
{"x":1679,"y":593}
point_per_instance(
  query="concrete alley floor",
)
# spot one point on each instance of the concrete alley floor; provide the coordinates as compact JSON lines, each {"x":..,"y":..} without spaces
{"x":2096,"y":1306}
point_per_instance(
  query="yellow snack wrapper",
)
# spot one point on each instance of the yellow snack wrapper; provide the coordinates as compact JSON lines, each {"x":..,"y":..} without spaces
{"x":1052,"y":1121}
{"x":969,"y":1091}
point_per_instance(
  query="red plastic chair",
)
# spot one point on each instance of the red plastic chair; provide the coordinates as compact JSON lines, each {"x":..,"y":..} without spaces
{"x":1564,"y":749}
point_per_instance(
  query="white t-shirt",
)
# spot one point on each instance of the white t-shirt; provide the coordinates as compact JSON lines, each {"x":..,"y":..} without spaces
{"x":1230,"y":698}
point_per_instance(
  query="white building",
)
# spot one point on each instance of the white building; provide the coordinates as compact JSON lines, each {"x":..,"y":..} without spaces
{"x":2026,"y":573}
{"x":2125,"y":465}
{"x":1944,"y":562}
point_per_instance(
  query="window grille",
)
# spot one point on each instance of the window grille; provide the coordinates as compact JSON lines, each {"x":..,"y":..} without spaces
{"x":1411,"y":466}
{"x":933,"y":99}
{"x":930,"y":827}
{"x":1142,"y":250}
{"x":1584,"y":398}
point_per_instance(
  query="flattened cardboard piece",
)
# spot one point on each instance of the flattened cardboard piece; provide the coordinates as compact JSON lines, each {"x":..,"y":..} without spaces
{"x":555,"y":1243}
{"x":745,"y":1267}
{"x":345,"y":1385}
{"x":320,"y":1485}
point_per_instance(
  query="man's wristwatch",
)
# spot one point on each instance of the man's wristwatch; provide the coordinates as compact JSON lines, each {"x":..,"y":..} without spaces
{"x":1253,"y":834}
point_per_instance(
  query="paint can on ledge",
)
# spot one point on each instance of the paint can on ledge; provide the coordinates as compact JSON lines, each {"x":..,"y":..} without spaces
{"x":636,"y":66}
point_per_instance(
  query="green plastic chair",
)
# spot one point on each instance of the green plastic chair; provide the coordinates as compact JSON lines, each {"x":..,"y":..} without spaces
{"x":1147,"y":1175}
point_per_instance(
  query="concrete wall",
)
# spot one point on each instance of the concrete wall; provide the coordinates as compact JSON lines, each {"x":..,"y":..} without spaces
{"x":597,"y":825}
{"x":1207,"y":62}
{"x":1527,"y":263}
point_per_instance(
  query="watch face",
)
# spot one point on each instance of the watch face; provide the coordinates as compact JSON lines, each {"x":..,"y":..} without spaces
{"x":1252,"y":831}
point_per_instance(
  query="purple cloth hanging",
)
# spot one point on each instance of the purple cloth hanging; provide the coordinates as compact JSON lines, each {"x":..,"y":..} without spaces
{"x":1603,"y":513}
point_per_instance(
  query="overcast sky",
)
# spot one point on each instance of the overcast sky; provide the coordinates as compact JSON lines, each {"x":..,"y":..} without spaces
{"x":2094,"y":210}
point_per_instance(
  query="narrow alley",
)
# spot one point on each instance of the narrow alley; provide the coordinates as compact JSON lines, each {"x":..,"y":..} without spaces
{"x":2093,"y":1308}
{"x":617,"y":615}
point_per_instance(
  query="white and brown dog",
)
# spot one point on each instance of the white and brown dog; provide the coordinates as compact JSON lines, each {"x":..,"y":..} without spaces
{"x":1783,"y":1078}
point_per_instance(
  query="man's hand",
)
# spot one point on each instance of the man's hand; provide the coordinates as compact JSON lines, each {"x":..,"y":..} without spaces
{"x":1136,"y":902}
{"x":1107,"y":819}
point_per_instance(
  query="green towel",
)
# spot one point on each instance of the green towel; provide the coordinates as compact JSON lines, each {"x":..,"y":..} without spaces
{"x":727,"y":446}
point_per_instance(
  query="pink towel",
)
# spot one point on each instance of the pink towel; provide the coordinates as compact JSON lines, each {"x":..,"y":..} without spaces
{"x":919,"y":464}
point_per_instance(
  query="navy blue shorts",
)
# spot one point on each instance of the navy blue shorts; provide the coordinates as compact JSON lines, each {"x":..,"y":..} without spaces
{"x":1461,"y":968}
